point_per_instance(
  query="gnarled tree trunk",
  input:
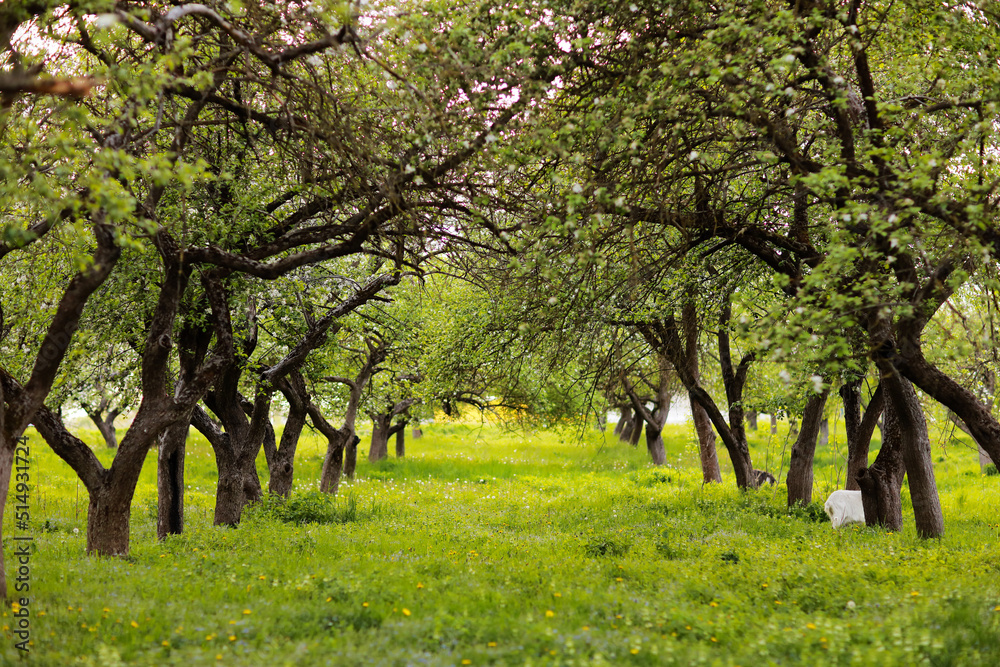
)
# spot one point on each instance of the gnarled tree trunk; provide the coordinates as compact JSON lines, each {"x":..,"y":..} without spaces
{"x":880,"y":484}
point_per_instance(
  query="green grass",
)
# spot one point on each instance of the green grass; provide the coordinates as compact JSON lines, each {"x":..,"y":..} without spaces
{"x":499,"y":548}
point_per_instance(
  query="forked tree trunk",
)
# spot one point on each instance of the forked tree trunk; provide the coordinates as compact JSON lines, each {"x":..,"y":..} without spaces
{"x":859,"y":429}
{"x":880,"y":484}
{"x":800,"y":469}
{"x":916,"y":454}
{"x":105,"y":425}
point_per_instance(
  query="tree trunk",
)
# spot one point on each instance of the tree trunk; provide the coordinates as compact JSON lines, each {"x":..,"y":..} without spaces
{"x":351,"y":457}
{"x":401,"y":442}
{"x":916,"y":454}
{"x":230,"y":492}
{"x":625,"y":414}
{"x":170,"y":479}
{"x":824,"y":433}
{"x":7,"y":446}
{"x":706,"y":444}
{"x":417,"y":433}
{"x":380,"y":439}
{"x":108,"y":516}
{"x":859,"y":430}
{"x":283,"y":468}
{"x":333,"y":463}
{"x":752,"y":420}
{"x":635,"y":431}
{"x":800,"y":469}
{"x":881,"y":483}
{"x":106,"y":426}
{"x":774,"y":424}
{"x":654,"y":444}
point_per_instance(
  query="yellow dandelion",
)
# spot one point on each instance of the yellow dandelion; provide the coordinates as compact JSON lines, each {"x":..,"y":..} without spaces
{"x":165,"y":642}
{"x":364,"y":604}
{"x":406,"y":612}
{"x":328,"y":599}
{"x":41,"y":613}
{"x":763,"y":585}
{"x":634,"y":651}
{"x":218,"y":656}
{"x":262,"y":577}
{"x":619,"y":579}
{"x":419,"y":585}
{"x":134,"y":624}
{"x":553,"y":652}
{"x":491,"y":644}
{"x":914,"y":593}
{"x":557,"y":595}
{"x":549,"y":613}
{"x":466,"y":662}
{"x":232,"y":638}
{"x":811,"y":626}
{"x":15,"y":607}
{"x":713,"y":604}
{"x":106,"y":610}
{"x":247,"y":612}
{"x":714,"y":639}
{"x":687,"y":627}
{"x":586,"y":627}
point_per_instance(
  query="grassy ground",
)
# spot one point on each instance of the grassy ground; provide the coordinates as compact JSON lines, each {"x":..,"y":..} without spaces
{"x":490,"y":548}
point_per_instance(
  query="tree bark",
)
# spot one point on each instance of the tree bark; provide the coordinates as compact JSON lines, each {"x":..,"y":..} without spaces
{"x":800,"y":469}
{"x":282,"y":466}
{"x":752,"y":420}
{"x":880,"y":484}
{"x":824,"y":433}
{"x":401,"y":440}
{"x":916,"y":452}
{"x":706,"y":443}
{"x":104,"y":420}
{"x":170,"y":479}
{"x":351,"y":458}
{"x":380,"y":439}
{"x":654,"y":444}
{"x":626,"y":414}
{"x":774,"y":424}
{"x":859,"y":430}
